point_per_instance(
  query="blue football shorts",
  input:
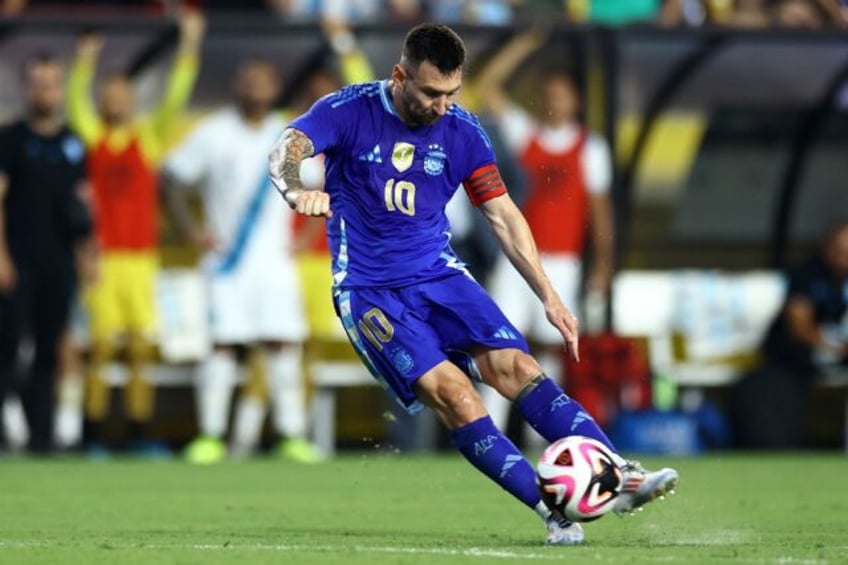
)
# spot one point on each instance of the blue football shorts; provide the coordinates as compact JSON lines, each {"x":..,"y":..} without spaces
{"x":401,"y":333}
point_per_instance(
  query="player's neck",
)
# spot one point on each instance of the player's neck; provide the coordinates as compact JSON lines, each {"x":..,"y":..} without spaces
{"x":45,"y":124}
{"x":399,"y":109}
{"x":116,"y":122}
{"x":253,"y":117}
{"x":557,"y":123}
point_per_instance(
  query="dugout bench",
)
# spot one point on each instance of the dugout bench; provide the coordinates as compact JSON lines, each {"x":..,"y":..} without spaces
{"x":703,"y":328}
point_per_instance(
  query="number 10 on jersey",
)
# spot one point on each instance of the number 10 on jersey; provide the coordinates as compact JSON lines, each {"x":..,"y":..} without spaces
{"x":400,"y":196}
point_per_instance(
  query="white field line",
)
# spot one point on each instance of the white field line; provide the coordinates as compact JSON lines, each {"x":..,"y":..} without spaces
{"x":300,"y":548}
{"x":470,"y":552}
{"x":397,"y":550}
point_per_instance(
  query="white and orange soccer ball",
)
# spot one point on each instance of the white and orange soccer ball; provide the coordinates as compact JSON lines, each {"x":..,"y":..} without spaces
{"x":578,"y":478}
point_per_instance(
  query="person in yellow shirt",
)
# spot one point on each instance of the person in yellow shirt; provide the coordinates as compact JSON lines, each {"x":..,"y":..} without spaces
{"x":124,"y":152}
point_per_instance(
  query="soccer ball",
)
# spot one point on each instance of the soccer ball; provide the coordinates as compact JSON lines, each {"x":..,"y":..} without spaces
{"x":578,"y":478}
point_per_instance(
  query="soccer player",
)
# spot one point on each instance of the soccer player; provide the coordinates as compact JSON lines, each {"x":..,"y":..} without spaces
{"x":124,"y":155}
{"x":396,"y":150}
{"x":255,"y":298}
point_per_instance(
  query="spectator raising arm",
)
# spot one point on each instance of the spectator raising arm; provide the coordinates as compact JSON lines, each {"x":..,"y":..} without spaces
{"x":183,"y":74}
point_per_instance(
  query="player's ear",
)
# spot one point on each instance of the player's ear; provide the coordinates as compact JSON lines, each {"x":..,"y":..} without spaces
{"x":399,"y":74}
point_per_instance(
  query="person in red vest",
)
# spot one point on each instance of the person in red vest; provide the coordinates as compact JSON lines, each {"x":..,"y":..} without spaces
{"x":569,"y":173}
{"x":125,"y":148}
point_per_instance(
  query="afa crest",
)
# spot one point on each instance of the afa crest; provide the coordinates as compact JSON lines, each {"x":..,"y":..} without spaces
{"x":402,"y":360}
{"x":434,"y":160}
{"x":402,"y":155}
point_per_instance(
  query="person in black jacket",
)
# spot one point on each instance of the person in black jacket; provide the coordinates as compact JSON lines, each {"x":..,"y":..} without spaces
{"x":807,"y":338}
{"x":43,"y":222}
{"x":811,"y":331}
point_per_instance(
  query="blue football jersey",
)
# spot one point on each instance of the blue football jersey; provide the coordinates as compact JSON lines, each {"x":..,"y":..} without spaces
{"x":389,"y":184}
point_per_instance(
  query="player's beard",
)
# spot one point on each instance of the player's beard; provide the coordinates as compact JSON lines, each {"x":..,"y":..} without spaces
{"x":421,"y":117}
{"x":415,"y":114}
{"x":429,"y":118}
{"x":254,"y":109}
{"x":43,"y":111}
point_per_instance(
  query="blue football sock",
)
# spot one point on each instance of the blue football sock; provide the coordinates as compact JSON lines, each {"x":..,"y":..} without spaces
{"x":485,"y":447}
{"x":554,"y":415}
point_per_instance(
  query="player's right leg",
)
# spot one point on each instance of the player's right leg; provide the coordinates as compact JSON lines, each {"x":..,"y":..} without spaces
{"x":213,"y":391}
{"x":230,"y":326}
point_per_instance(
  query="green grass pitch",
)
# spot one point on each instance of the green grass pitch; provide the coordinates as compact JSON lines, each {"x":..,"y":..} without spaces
{"x":376,"y":508}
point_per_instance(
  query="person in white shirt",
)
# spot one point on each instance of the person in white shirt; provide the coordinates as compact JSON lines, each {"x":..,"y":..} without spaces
{"x":254,"y":294}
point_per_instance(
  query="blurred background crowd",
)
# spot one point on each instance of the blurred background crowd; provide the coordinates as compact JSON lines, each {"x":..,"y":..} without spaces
{"x":685,"y":187}
{"x":809,"y":14}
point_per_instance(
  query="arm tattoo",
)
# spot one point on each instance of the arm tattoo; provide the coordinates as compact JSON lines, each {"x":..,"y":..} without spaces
{"x":285,"y":158}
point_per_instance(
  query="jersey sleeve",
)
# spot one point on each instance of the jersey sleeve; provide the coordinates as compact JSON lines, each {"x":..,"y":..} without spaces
{"x":82,"y":114}
{"x":324,"y":123}
{"x":597,"y":165}
{"x":516,"y":127}
{"x":189,"y":162}
{"x":482,"y":180}
{"x":180,"y":84}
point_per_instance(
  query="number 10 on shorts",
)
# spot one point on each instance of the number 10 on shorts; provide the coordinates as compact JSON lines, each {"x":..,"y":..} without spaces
{"x":376,"y":328}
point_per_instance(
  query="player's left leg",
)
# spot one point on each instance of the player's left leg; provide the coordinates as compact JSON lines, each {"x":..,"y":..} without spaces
{"x":554,"y":415}
{"x":251,"y":406}
{"x":51,"y":305}
{"x":67,"y":429}
{"x":541,"y":401}
{"x":501,"y":360}
{"x":138,"y":288}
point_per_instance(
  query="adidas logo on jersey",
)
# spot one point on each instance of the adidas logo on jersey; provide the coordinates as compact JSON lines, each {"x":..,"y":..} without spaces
{"x":504,"y":333}
{"x":372,"y":156}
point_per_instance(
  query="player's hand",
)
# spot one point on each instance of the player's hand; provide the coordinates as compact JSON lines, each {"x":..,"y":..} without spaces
{"x":567,"y":324}
{"x":192,"y":28}
{"x":203,"y":240}
{"x":310,"y":202}
{"x":89,"y":46}
{"x":8,"y":274}
{"x":89,"y":268}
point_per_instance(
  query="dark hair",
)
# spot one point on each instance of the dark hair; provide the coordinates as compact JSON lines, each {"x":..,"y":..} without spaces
{"x":436,"y":43}
{"x":37,"y":59}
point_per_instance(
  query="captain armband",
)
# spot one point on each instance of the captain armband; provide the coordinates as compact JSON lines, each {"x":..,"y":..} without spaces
{"x":484,"y":184}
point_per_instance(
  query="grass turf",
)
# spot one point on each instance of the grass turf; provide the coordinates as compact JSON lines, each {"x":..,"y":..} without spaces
{"x":393,"y":509}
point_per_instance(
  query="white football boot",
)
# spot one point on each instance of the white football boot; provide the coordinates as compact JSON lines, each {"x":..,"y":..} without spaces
{"x":563,"y":532}
{"x":641,"y":487}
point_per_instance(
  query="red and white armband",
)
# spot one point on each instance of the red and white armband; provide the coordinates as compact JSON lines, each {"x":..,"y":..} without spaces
{"x":484,"y":184}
